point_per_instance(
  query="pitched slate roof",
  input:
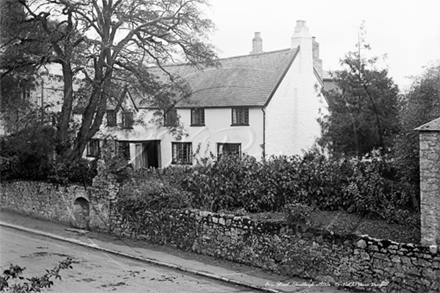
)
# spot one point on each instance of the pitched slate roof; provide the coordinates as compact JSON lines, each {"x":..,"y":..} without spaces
{"x":239,"y":81}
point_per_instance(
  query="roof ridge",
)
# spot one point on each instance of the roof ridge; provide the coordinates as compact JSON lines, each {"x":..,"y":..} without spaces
{"x":259,"y":54}
{"x":228,"y":58}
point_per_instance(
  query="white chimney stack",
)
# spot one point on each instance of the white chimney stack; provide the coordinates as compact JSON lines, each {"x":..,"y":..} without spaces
{"x":301,"y":32}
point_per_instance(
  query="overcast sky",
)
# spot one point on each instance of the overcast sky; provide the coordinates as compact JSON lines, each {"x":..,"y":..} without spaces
{"x":407,"y":31}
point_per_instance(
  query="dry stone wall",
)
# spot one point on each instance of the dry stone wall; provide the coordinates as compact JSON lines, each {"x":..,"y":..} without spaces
{"x":324,"y":257}
{"x":58,"y":202}
{"x":41,"y":199}
{"x":352,"y":261}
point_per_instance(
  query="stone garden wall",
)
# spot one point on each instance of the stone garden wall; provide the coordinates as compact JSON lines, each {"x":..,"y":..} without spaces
{"x":354,"y":261}
{"x":81,"y":207}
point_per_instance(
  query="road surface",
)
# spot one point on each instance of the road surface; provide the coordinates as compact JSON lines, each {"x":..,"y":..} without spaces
{"x":95,"y":271}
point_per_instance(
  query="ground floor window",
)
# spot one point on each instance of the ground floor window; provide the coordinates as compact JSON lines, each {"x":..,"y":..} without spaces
{"x":228,"y":149}
{"x":182,"y":153}
{"x":93,"y":148}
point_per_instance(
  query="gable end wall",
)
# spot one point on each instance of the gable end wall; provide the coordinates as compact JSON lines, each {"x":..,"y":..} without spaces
{"x":291,"y":124}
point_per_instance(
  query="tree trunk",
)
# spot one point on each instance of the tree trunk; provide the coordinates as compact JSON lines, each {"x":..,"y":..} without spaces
{"x":92,"y":116}
{"x":66,"y":113}
{"x":85,"y":133}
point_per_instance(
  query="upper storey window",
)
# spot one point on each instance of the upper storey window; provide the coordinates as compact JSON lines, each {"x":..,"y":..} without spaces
{"x":240,"y":116}
{"x":170,"y":117}
{"x":198,"y":117}
{"x":127,"y":120}
{"x":111,"y":118}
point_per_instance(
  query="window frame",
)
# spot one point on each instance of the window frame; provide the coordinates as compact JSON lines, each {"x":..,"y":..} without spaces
{"x":111,"y":116}
{"x":167,"y":118}
{"x":227,"y":145}
{"x":198,"y":117}
{"x":93,"y":149}
{"x":176,"y":152}
{"x":25,"y":92}
{"x":237,"y":120}
{"x":127,"y":123}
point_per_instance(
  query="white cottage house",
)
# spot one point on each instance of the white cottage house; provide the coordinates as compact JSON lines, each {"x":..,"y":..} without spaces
{"x":262,"y":104}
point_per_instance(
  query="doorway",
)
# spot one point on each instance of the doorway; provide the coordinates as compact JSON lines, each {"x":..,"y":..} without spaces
{"x":81,"y":214}
{"x":147,"y":154}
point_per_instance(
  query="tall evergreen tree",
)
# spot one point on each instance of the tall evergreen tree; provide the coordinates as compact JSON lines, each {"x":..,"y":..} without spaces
{"x":362,"y":108}
{"x":418,"y":106}
{"x":22,"y":45}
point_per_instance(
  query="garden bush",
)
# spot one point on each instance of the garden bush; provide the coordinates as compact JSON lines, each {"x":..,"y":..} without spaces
{"x":149,"y":190}
{"x":320,"y":180}
{"x":299,"y":216}
{"x":231,"y":183}
{"x":241,"y":182}
{"x":81,"y":171}
{"x":364,"y":186}
{"x":27,"y":154}
{"x":30,"y":155}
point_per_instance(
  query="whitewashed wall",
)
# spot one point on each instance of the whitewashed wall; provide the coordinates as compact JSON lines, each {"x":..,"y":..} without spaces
{"x":291,"y":116}
{"x":218,"y":129}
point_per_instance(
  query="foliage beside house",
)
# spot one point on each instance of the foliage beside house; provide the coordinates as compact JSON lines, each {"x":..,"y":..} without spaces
{"x":365,"y":187}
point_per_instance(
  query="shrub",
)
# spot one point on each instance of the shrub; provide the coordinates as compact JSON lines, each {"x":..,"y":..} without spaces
{"x":320,"y":180}
{"x":298,"y":216}
{"x":34,"y":284}
{"x":81,"y":171}
{"x":28,"y":153}
{"x":147,"y":191}
{"x":365,"y":186}
{"x":234,"y":182}
{"x":278,"y":180}
{"x":373,"y":187}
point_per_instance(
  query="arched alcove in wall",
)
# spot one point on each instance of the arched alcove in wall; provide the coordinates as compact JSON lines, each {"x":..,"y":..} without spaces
{"x":81,"y":213}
